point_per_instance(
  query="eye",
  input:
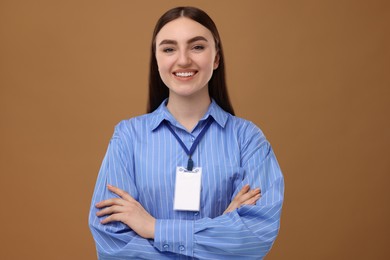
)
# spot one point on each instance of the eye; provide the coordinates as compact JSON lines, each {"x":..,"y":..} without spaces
{"x":198,"y":47}
{"x":168,"y":50}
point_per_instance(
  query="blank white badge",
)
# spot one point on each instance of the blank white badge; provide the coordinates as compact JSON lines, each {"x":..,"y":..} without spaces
{"x":187,"y":189}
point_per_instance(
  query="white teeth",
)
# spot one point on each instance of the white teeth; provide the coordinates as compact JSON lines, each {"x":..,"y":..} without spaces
{"x":184,"y":74}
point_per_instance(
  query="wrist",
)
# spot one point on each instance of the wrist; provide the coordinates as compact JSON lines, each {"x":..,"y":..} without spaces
{"x":151,"y":229}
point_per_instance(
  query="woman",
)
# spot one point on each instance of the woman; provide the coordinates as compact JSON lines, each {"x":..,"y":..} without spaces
{"x":175,"y":183}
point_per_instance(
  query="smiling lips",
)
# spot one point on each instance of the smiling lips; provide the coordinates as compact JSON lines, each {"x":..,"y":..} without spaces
{"x":184,"y":74}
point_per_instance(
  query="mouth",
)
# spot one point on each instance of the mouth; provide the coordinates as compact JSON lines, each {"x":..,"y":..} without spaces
{"x":184,"y":74}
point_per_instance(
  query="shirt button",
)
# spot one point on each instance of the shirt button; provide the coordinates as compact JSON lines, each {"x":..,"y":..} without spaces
{"x":166,"y":246}
{"x":181,"y":248}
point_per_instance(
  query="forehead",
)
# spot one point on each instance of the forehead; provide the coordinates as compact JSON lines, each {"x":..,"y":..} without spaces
{"x":182,"y":29}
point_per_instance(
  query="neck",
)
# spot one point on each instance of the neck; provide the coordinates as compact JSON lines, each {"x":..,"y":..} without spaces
{"x":189,"y":110}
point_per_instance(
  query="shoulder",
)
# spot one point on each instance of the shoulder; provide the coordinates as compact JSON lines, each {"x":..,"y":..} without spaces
{"x":249,"y":136}
{"x":251,"y":139}
{"x":233,"y":124}
{"x":128,"y":127}
{"x":244,"y":127}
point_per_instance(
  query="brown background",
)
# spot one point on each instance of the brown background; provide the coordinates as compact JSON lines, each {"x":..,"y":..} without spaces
{"x":314,"y":75}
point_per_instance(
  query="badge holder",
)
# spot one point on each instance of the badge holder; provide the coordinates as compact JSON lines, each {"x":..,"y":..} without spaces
{"x":187,"y":189}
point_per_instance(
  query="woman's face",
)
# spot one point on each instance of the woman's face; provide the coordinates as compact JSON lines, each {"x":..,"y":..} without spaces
{"x":186,"y":57}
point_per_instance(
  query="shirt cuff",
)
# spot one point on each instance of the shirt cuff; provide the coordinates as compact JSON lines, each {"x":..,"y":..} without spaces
{"x":174,"y":235}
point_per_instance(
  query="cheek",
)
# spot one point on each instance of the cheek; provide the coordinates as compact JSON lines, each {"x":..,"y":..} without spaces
{"x":207,"y":62}
{"x":164,"y":64}
{"x":208,"y":66}
{"x":163,"y":69}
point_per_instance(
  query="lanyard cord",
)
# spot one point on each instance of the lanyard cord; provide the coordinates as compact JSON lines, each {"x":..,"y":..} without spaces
{"x":190,"y":163}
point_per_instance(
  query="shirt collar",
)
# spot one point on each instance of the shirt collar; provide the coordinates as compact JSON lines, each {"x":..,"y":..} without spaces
{"x":161,"y":113}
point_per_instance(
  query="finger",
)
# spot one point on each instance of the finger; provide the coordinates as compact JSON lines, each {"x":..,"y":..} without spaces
{"x":252,"y":200}
{"x":253,"y":194}
{"x":248,"y":195}
{"x":255,"y":191}
{"x":121,"y":193}
{"x":243,"y":190}
{"x":229,"y":209}
{"x":110,"y":202}
{"x":109,"y":211}
{"x":112,"y":218}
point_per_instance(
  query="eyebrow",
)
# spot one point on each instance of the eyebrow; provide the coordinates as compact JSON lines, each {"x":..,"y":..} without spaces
{"x":197,"y":38}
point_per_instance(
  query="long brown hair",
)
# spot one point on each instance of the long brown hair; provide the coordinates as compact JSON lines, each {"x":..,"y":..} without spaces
{"x":217,"y":84}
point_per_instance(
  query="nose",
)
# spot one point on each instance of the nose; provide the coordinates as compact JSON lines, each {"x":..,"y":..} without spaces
{"x":184,"y":59}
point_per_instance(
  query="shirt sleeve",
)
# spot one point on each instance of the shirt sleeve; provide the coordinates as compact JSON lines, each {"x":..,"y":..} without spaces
{"x":246,"y":233}
{"x":116,"y":240}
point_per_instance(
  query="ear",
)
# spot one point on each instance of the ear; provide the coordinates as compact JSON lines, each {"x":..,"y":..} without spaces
{"x":216,"y":61}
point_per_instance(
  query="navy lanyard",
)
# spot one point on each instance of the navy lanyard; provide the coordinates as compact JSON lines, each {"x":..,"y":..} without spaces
{"x":190,"y":163}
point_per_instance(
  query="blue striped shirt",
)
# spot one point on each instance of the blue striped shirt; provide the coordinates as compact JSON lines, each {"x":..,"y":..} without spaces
{"x":142,"y":158}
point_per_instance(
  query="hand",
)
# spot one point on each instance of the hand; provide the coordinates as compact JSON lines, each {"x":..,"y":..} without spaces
{"x":128,"y":211}
{"x":244,"y":197}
